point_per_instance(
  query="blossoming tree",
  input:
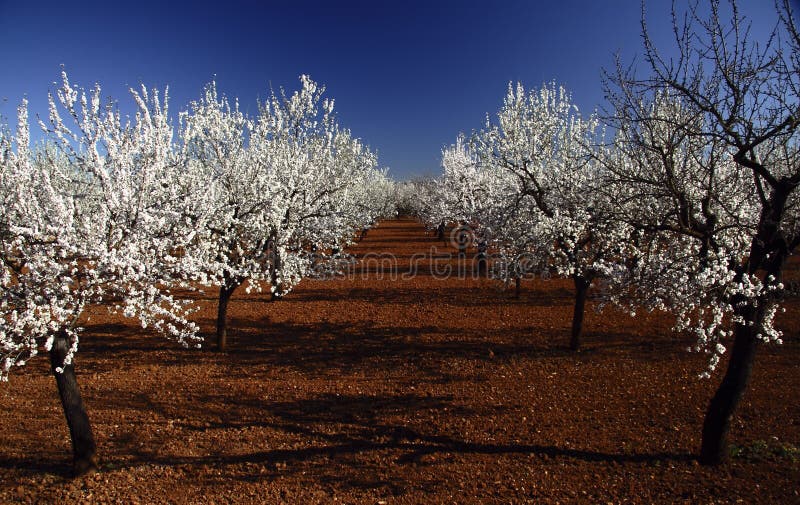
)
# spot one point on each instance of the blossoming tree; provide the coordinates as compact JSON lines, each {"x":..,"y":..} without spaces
{"x":712,"y":165}
{"x":289,"y":188}
{"x":323,"y":180}
{"x":542,"y":142}
{"x":100,"y":212}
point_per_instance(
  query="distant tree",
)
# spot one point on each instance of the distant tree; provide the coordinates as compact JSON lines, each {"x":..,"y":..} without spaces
{"x":420,"y":198}
{"x":486,"y":198}
{"x":326,"y":185}
{"x":711,"y":163}
{"x":411,"y":197}
{"x":214,"y":137}
{"x":542,"y":141}
{"x":289,"y":187}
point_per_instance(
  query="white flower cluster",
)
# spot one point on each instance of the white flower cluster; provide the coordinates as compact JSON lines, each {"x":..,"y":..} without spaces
{"x":287,"y":183}
{"x":699,"y":254}
{"x":116,"y":209}
{"x":531,"y":187}
{"x":663,"y":215}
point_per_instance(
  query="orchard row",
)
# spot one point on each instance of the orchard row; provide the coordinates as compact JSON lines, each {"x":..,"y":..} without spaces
{"x":129,"y":210}
{"x":683,"y":197}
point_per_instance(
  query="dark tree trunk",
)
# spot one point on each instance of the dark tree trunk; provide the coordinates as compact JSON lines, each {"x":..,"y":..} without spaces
{"x":480,"y":266}
{"x":482,"y":259}
{"x":581,"y":289}
{"x":275,"y":266}
{"x":517,"y":286}
{"x":768,"y":253}
{"x":225,"y":292}
{"x":80,"y":430}
{"x":714,"y":449}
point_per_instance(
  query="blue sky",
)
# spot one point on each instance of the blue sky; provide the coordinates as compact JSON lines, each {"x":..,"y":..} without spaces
{"x":407,"y":76}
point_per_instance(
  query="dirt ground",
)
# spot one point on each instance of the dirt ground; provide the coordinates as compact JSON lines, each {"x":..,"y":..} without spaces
{"x":384,"y":388}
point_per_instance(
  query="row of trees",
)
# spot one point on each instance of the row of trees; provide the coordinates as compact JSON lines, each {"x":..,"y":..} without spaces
{"x":128,"y":210}
{"x":691,"y":207}
{"x":293,"y":189}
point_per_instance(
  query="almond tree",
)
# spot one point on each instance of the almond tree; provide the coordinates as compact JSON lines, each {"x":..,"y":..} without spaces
{"x":712,"y":160}
{"x":289,"y":187}
{"x":319,"y":173}
{"x":487,"y":199}
{"x":542,"y":141}
{"x":234,"y":250}
{"x":423,"y":199}
{"x":99,"y":213}
{"x":372,"y":199}
{"x":411,"y":198}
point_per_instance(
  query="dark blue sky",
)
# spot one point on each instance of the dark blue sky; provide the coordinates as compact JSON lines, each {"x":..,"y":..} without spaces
{"x":407,"y":76}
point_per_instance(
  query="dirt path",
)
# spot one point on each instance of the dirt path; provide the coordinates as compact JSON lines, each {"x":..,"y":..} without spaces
{"x":383,"y":387}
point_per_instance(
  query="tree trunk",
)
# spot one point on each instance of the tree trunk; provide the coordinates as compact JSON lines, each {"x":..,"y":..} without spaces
{"x":80,"y":430}
{"x":225,"y":292}
{"x":581,"y":289}
{"x":482,"y":258}
{"x":714,"y":447}
{"x":275,"y":266}
{"x":517,"y":287}
{"x":769,"y":251}
{"x":480,"y":265}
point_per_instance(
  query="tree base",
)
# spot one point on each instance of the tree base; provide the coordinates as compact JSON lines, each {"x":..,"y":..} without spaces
{"x":710,"y":460}
{"x":83,"y":466}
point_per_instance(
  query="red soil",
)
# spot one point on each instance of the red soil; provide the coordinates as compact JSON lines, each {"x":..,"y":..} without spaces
{"x":392,"y":390}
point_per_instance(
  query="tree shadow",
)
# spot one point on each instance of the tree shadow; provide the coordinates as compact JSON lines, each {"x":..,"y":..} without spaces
{"x":486,"y":296}
{"x":58,"y":467}
{"x":353,"y":430}
{"x":325,"y":347}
